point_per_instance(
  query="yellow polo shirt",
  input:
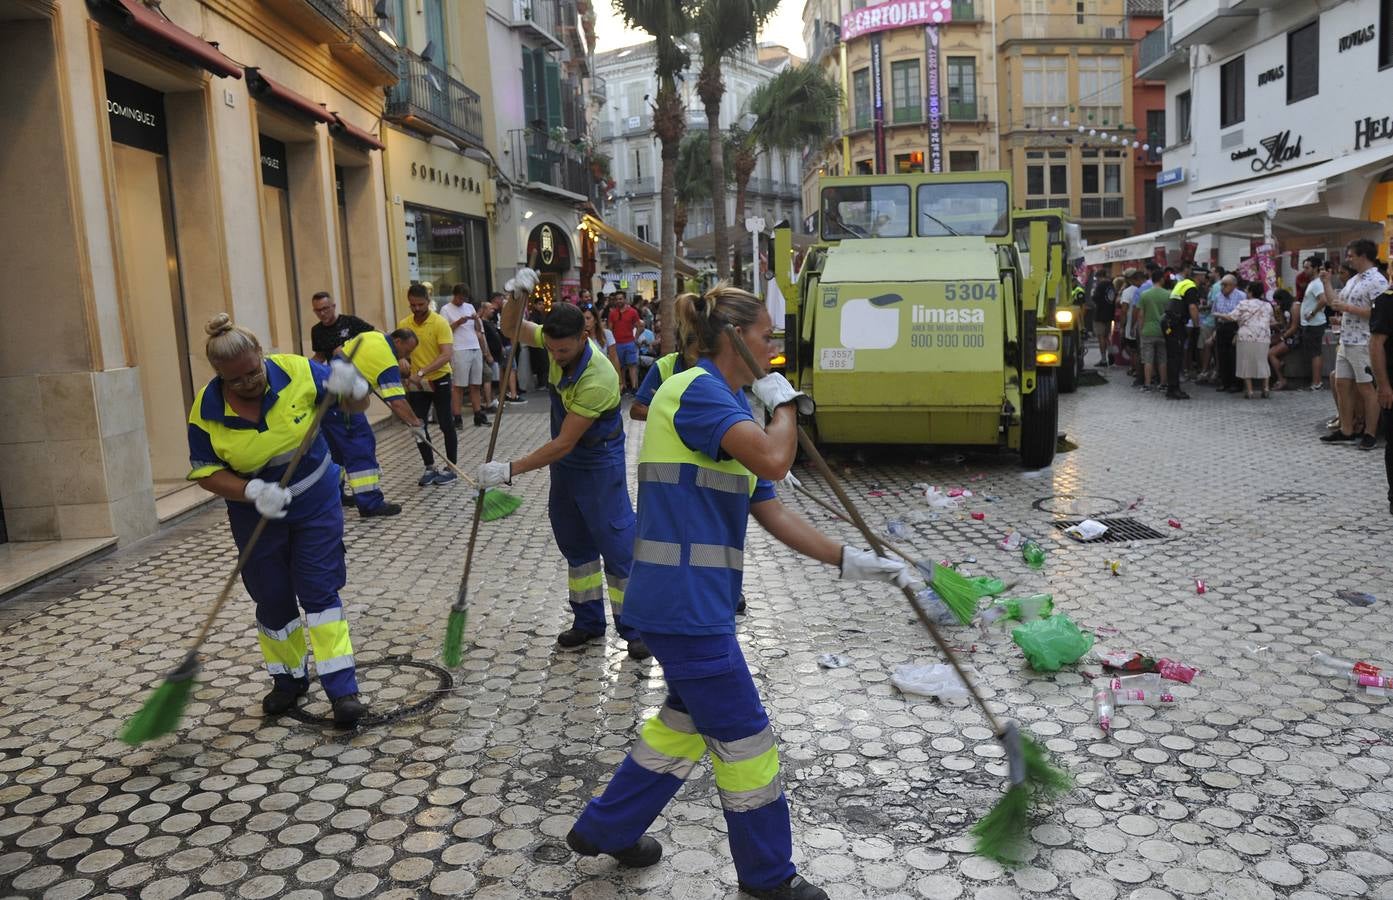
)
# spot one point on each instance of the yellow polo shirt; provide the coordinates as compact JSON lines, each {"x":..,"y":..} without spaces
{"x":431,"y":335}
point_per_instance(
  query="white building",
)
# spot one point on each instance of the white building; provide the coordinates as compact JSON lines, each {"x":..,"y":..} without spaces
{"x":1277,"y":126}
{"x":625,"y":134}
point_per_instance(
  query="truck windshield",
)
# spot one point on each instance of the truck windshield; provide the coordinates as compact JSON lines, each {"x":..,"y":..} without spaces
{"x":865,"y":211}
{"x":976,"y":208}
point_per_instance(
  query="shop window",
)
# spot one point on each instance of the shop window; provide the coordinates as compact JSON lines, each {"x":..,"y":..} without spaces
{"x":1182,"y":117}
{"x":1303,"y":62}
{"x":1231,"y":93}
{"x":905,"y":96}
{"x":861,"y":97}
{"x":444,"y":249}
{"x":909,"y":163}
{"x":1101,"y":184}
{"x":963,"y":161}
{"x":1047,"y":179}
{"x":962,"y":88}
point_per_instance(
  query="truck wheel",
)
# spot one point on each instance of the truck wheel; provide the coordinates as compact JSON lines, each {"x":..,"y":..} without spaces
{"x":1040,"y":422}
{"x":1069,"y":356}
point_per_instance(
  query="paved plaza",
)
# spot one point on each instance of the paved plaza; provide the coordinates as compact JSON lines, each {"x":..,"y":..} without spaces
{"x":1261,"y":781}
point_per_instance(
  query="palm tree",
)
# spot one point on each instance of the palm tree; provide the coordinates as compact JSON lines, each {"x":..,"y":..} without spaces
{"x":796,"y":108}
{"x":724,"y":28}
{"x":666,"y":21}
{"x":693,"y":178}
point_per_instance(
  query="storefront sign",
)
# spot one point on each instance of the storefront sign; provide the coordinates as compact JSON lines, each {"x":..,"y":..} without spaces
{"x":451,"y":180}
{"x":935,"y":102}
{"x":1368,"y":129}
{"x":135,"y":114}
{"x":1355,"y":38}
{"x":550,"y":248}
{"x":895,"y":14}
{"x":1280,"y":150}
{"x":1271,"y":75}
{"x":878,"y":103}
{"x":1170,"y":177}
{"x":273,"y":163}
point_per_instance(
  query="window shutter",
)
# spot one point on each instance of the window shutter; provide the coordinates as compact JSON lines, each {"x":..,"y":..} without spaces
{"x":553,"y":92}
{"x":529,"y":88}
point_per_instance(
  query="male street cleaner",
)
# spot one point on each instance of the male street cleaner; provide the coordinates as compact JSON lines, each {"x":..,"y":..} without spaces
{"x":1184,"y":307}
{"x":350,"y":435}
{"x":591,"y":516}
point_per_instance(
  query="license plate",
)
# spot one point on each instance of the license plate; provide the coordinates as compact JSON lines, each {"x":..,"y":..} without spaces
{"x":838,"y":358}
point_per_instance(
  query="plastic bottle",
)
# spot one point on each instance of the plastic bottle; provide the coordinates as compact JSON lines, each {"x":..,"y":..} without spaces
{"x":1033,"y":554}
{"x":1140,"y":690}
{"x":1026,"y":609}
{"x":1142,"y":681}
{"x":1338,"y":666}
{"x":1104,"y":703}
{"x":1176,"y":671}
{"x":1200,"y":586}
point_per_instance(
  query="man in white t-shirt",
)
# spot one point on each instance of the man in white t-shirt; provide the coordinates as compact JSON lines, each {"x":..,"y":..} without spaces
{"x":1128,"y":302}
{"x":1353,"y":376}
{"x":469,"y":356}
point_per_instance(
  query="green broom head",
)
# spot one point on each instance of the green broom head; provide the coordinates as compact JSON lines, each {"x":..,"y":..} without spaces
{"x":1001,"y":832}
{"x":959,"y":593}
{"x":498,"y":504}
{"x":454,"y":636}
{"x":161,"y":713}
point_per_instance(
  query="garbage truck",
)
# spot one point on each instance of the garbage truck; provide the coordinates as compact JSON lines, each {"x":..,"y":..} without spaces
{"x":1066,"y":297}
{"x":912,"y":321}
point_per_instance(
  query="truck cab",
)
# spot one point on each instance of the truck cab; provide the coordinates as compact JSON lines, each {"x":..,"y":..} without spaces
{"x":1066,"y":298}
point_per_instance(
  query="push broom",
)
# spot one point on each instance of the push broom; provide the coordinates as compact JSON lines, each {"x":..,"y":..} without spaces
{"x":1001,"y":832}
{"x":165,"y":707}
{"x":459,"y":612}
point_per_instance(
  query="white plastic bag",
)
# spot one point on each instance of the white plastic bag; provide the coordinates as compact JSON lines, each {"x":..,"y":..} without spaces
{"x":1087,"y":530}
{"x":938,"y":499}
{"x":936,"y":680}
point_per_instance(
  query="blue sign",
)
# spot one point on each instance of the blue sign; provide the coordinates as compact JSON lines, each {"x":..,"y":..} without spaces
{"x":1170,"y":176}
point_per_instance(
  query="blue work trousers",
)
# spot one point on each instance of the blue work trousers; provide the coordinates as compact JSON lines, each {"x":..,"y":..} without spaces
{"x":300,"y":558}
{"x":592,"y":519}
{"x":712,"y":703}
{"x":353,"y":446}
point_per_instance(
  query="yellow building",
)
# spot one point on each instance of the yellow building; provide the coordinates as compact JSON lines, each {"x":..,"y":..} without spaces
{"x":1069,"y":62}
{"x":930,"y":119}
{"x":161,"y":166}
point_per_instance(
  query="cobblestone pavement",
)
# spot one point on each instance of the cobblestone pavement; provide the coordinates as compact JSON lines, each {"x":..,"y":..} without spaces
{"x":1262,"y":781}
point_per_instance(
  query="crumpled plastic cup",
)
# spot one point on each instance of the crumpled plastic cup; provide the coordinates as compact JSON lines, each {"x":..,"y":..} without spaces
{"x":1087,"y":530}
{"x":1051,"y":644}
{"x":936,"y":680}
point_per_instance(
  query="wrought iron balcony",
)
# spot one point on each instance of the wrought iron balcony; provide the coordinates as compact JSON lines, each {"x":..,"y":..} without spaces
{"x":1061,"y":27}
{"x":542,"y":18}
{"x":539,"y":159}
{"x":1100,"y":208}
{"x":426,"y":99}
{"x":325,"y":21}
{"x":371,"y":52}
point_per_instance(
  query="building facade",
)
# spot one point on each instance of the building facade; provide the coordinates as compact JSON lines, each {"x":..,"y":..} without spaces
{"x":164,"y":166}
{"x":1268,"y":143}
{"x":1149,"y":110}
{"x":625,"y":135}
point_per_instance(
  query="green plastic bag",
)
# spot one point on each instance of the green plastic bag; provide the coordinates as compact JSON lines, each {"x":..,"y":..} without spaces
{"x":1050,"y":644}
{"x":1027,"y":609}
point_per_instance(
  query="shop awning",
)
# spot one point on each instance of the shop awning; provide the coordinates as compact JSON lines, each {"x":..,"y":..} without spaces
{"x":1141,"y":246}
{"x":345,"y":129}
{"x":151,"y":28}
{"x":633,"y":246}
{"x":263,"y":88}
{"x":1216,"y":221}
{"x":1123,"y":250}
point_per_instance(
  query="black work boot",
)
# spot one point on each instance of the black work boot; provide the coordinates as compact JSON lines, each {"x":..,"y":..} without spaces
{"x":282,"y":699}
{"x":796,"y":888}
{"x":348,"y":709}
{"x":638,"y":650}
{"x":574,"y":637}
{"x":640,"y":856}
{"x":386,"y":509}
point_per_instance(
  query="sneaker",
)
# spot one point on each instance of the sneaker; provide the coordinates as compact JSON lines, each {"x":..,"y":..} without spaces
{"x":480,"y":419}
{"x":796,"y":888}
{"x":1145,"y":387}
{"x":444,"y":476}
{"x":458,"y":422}
{"x":1337,"y":437}
{"x":1177,"y":395}
{"x":1368,"y":442}
{"x":492,"y":407}
{"x":1318,"y":387}
{"x":640,"y":856}
{"x":574,"y":637}
{"x":348,"y":709}
{"x":638,"y":650}
{"x":386,"y":509}
{"x":515,"y":400}
{"x":428,"y":476}
{"x":282,"y":700}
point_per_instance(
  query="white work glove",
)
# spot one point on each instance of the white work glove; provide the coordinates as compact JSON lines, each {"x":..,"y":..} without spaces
{"x":863,"y":565}
{"x":492,"y":474}
{"x":525,"y":280}
{"x":773,"y":390}
{"x":270,"y":499}
{"x":790,"y":481}
{"x":419,"y":433}
{"x":345,"y":381}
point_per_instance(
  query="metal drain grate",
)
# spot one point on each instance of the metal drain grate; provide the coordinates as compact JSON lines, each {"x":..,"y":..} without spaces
{"x":1119,"y":530}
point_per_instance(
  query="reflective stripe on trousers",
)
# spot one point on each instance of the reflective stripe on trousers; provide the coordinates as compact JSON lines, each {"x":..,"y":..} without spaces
{"x":586,"y":582}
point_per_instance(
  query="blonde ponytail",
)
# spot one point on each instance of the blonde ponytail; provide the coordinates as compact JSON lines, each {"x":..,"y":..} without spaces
{"x":702,"y":317}
{"x":227,"y":341}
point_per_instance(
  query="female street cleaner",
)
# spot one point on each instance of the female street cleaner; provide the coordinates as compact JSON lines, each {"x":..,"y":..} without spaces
{"x":705,"y":467}
{"x":589,"y":508}
{"x":243,"y":429}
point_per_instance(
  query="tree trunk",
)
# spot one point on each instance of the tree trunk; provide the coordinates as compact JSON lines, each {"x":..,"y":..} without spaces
{"x":679,"y":221}
{"x":669,"y":124}
{"x":710,"y":89}
{"x":742,"y":181}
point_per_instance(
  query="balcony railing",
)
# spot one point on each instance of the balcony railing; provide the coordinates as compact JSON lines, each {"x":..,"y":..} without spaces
{"x":368,"y":52}
{"x":599,"y":89}
{"x":639,"y":186}
{"x":636,"y":124}
{"x":427,"y":98}
{"x":1061,"y":27}
{"x":1100,"y":118}
{"x":325,"y":21}
{"x":543,"y":17}
{"x":1100,"y":207}
{"x":966,"y":111}
{"x":539,"y":159}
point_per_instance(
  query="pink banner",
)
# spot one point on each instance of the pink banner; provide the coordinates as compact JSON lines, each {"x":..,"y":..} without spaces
{"x":895,"y":14}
